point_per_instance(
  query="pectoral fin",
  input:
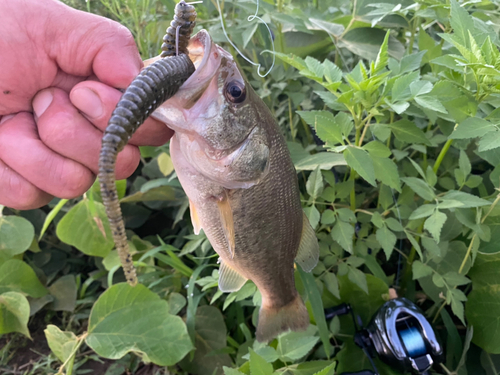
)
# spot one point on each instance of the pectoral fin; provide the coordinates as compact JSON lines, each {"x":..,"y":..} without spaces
{"x":229,"y":279}
{"x":226,"y":216}
{"x":195,"y":219}
{"x":308,"y":254}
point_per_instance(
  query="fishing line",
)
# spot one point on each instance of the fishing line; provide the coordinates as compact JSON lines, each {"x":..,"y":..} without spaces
{"x":250,"y":19}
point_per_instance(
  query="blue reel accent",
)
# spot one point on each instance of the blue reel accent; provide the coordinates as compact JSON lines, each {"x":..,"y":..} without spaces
{"x":413,"y":342}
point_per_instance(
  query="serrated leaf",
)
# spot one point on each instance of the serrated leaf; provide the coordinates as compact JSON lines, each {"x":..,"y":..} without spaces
{"x":258,"y":365}
{"x":126,"y":319}
{"x":401,"y":87}
{"x":359,"y":278}
{"x":16,"y":235}
{"x":332,"y":72}
{"x":231,"y":371}
{"x":472,"y":127}
{"x":328,"y":370}
{"x":434,"y":224}
{"x":14,"y":313}
{"x":382,"y":56}
{"x":489,"y":141}
{"x":324,"y":124}
{"x":342,"y":233}
{"x":293,"y":346}
{"x":430,"y":102}
{"x":17,"y":276}
{"x":315,"y":185}
{"x":418,"y":88}
{"x":313,"y":215}
{"x":359,"y":160}
{"x":407,"y":131}
{"x":332,"y":284}
{"x":420,"y":187}
{"x":464,"y":163}
{"x":387,"y":240}
{"x":422,"y":211}
{"x":420,"y":270}
{"x":467,"y":200}
{"x":415,"y":244}
{"x":386,"y":171}
{"x":328,"y":217}
{"x":295,"y":61}
{"x":376,"y":148}
{"x":461,"y":22}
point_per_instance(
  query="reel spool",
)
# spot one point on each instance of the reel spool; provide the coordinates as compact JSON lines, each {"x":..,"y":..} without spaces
{"x":401,"y":336}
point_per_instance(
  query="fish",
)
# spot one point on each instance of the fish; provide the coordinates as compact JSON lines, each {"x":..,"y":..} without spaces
{"x":234,"y":166}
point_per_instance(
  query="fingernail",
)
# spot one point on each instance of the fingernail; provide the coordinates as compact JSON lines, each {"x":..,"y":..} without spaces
{"x":42,"y":101}
{"x":87,"y":101}
{"x":5,"y":118}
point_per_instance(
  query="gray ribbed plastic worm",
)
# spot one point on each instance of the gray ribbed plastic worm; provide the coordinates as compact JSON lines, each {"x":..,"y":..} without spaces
{"x":184,"y":20}
{"x":153,"y":86}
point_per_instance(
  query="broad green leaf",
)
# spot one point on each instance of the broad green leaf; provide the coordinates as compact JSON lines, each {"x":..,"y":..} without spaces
{"x":63,"y":290}
{"x":415,"y":244}
{"x":324,"y":124}
{"x":323,"y":160}
{"x":407,"y":131}
{"x":346,"y":214}
{"x":387,"y":240}
{"x":294,"y":346}
{"x":258,"y":365}
{"x":342,"y":233}
{"x":315,"y":184}
{"x":411,"y":62}
{"x":313,"y":215}
{"x":376,"y":148}
{"x":418,"y":88}
{"x":420,"y":270}
{"x":88,"y":233}
{"x":434,"y":224}
{"x":231,"y":371}
{"x":328,"y":217}
{"x":17,"y":276}
{"x":134,"y":319}
{"x":461,"y":22}
{"x":14,"y":313}
{"x":211,"y":338}
{"x":165,"y":164}
{"x":293,"y":60}
{"x":328,"y":370}
{"x":331,"y":283}
{"x":366,"y":42}
{"x":386,"y":171}
{"x":483,"y":304}
{"x":420,"y":187}
{"x":158,"y":193}
{"x":332,"y":72}
{"x":361,"y":162}
{"x":422,"y":211}
{"x":358,"y":278}
{"x":401,"y":87}
{"x":61,"y":343}
{"x":176,"y":303}
{"x":314,"y":66}
{"x":472,"y":127}
{"x":16,"y":235}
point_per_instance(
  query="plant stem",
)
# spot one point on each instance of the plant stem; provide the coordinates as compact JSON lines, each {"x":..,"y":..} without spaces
{"x":442,"y":154}
{"x":69,"y":361}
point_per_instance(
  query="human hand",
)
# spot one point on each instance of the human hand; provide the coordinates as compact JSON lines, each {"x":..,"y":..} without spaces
{"x":60,"y":71}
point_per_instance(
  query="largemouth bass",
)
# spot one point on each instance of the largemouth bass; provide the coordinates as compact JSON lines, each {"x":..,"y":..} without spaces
{"x":235,"y":168}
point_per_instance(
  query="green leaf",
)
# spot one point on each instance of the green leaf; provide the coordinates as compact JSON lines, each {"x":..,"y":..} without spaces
{"x":376,"y":148}
{"x":420,"y":270}
{"x":407,"y":131}
{"x":315,"y":184}
{"x":461,"y":22}
{"x":63,"y":290}
{"x":430,"y":102}
{"x":258,"y":365}
{"x":386,"y":171}
{"x":231,"y":371}
{"x":467,"y":200}
{"x":342,"y":233}
{"x":472,"y":127}
{"x":165,"y":164}
{"x":418,"y":88}
{"x":346,"y":214}
{"x":358,"y":278}
{"x":422,"y":211}
{"x":294,"y":346}
{"x":420,"y":187}
{"x":16,"y":235}
{"x":317,"y":308}
{"x":14,"y":313}
{"x":366,"y":42}
{"x":324,"y":124}
{"x":312,"y":214}
{"x":88,"y":233}
{"x":293,"y":60}
{"x":332,"y":284}
{"x":314,"y":66}
{"x":489,"y":141}
{"x":61,"y":343}
{"x":434,"y":224}
{"x":401,"y":87}
{"x":387,"y":240}
{"x":17,"y":276}
{"x":211,"y":339}
{"x":361,"y":162}
{"x":328,"y":370}
{"x":126,"y":319}
{"x":332,"y":72}
{"x":323,"y":160}
{"x":382,"y":57}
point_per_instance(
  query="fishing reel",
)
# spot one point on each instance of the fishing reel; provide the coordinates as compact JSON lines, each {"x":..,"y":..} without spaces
{"x":399,"y":333}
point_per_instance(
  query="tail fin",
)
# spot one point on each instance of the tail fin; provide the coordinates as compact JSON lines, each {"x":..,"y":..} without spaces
{"x":273,"y":321}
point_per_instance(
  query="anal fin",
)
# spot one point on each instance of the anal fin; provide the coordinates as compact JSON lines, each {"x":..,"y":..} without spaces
{"x":229,"y":279}
{"x":308,"y":254}
{"x":195,"y":219}
{"x":226,"y":216}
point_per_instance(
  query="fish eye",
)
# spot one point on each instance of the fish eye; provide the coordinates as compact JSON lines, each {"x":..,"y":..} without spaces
{"x":235,"y":92}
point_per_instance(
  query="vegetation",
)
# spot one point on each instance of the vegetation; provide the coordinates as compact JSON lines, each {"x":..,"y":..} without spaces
{"x":391,"y":113}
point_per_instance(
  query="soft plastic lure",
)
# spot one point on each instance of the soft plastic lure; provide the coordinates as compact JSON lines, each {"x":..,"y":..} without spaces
{"x":154,"y":85}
